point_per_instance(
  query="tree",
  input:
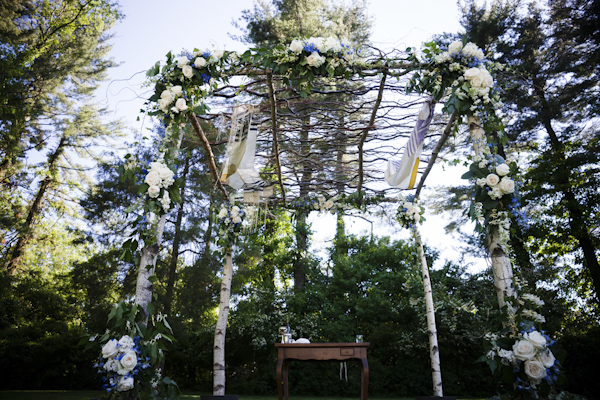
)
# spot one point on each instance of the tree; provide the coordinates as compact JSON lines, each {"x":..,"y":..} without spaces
{"x":57,"y":54}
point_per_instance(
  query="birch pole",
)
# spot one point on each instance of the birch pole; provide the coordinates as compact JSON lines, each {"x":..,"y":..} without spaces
{"x":501,"y":266}
{"x":143,"y":287}
{"x":434,"y":351}
{"x":221,"y":328}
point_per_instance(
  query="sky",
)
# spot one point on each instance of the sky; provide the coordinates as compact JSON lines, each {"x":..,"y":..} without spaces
{"x":151,"y":28}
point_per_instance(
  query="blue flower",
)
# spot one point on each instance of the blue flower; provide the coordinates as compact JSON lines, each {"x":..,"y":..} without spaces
{"x":206,"y":54}
{"x":205,"y":78}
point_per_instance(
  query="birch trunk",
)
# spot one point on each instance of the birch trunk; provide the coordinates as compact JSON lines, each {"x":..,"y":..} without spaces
{"x":501,"y":266}
{"x":434,"y":352}
{"x":221,"y":328}
{"x":143,"y":287}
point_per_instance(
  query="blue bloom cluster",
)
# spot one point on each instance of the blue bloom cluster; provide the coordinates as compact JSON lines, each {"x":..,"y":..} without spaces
{"x":310,"y":47}
{"x":114,"y":374}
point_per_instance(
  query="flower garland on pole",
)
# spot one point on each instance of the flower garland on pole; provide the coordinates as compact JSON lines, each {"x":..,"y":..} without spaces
{"x":463,"y":75}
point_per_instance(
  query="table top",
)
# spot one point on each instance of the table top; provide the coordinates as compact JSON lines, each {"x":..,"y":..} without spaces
{"x":321,"y":345}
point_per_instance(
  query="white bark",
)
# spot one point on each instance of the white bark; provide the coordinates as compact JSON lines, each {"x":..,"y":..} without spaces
{"x":221,"y":328}
{"x":501,"y":265}
{"x":434,"y":352}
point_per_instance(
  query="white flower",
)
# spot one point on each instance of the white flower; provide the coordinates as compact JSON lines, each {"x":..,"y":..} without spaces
{"x":445,"y":56}
{"x":507,"y":185}
{"x":537,"y":339}
{"x":481,"y":182}
{"x":187,"y":71}
{"x":217,"y":54}
{"x":126,"y":343}
{"x":332,"y":43}
{"x":524,"y":350}
{"x":153,"y":178}
{"x":181,"y":61}
{"x":296,"y":46}
{"x":111,"y":365}
{"x":235,"y":211}
{"x":329,"y":204}
{"x":492,"y":180}
{"x":125,"y":384}
{"x":237,"y":219}
{"x":495,"y":193}
{"x":502,"y":169}
{"x":167,"y":95}
{"x":222,"y":213}
{"x":165,"y":201}
{"x":153,"y":191}
{"x":318,"y":42}
{"x":128,"y":363}
{"x":315,"y":60}
{"x":472,"y":50}
{"x":177,"y":90}
{"x":200,"y":62}
{"x":110,"y":348}
{"x":455,"y":47}
{"x":534,"y":299}
{"x":547,"y":358}
{"x":181,"y":104}
{"x":535,"y":370}
{"x":507,"y":355}
{"x":417,"y":217}
{"x":479,"y":77}
{"x":164,"y":104}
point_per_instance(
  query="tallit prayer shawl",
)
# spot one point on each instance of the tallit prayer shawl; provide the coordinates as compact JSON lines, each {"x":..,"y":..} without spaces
{"x":403,"y":173}
{"x":239,"y":171}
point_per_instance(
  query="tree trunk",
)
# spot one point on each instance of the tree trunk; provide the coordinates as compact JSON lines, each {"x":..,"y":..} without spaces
{"x":221,"y":328}
{"x":501,"y":266}
{"x":172,"y":273}
{"x":434,"y":352}
{"x":26,"y":231}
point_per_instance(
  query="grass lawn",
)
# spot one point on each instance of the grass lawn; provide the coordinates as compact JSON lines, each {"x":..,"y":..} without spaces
{"x":95,"y":394}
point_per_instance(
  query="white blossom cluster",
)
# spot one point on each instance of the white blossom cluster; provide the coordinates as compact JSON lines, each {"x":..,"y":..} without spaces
{"x":121,"y":358}
{"x":160,"y":177}
{"x":499,"y":183}
{"x":316,"y":51}
{"x":410,"y":212}
{"x":171,"y":100}
{"x":231,"y":219}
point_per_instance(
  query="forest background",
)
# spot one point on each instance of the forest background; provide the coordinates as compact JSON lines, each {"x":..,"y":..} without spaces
{"x":64,"y":219}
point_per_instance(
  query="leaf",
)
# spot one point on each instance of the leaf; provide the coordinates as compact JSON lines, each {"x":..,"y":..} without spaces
{"x":112,"y":313}
{"x":468,"y":175}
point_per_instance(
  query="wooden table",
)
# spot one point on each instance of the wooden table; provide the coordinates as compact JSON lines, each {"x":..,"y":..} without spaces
{"x":320,"y":351}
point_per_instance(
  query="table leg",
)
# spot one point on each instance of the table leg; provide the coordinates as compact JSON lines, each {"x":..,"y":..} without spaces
{"x":286,"y":388}
{"x":364,"y":379}
{"x":279,"y":381}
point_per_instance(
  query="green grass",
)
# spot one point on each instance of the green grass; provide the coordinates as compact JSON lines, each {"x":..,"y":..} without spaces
{"x":95,"y":394}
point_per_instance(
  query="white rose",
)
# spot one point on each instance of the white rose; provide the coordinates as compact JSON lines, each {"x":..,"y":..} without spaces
{"x":153,"y":178}
{"x":417,"y":217}
{"x":187,"y":71}
{"x":547,"y":358}
{"x":455,"y":47}
{"x":315,"y":60}
{"x":128,"y":363}
{"x":164,"y":104}
{"x":492,"y":180}
{"x":472,"y":50}
{"x":177,"y":90}
{"x":318,"y":42}
{"x":180,"y":104}
{"x":332,"y":43}
{"x":537,"y":339}
{"x":153,"y":191}
{"x":535,"y":370}
{"x":502,"y":169}
{"x":200,"y":62}
{"x":523,"y":350}
{"x":110,"y":348}
{"x":181,"y":61}
{"x":296,"y":46}
{"x":223,"y":213}
{"x":167,"y":95}
{"x":475,"y":77}
{"x":237,"y":219}
{"x":507,"y":185}
{"x":165,"y":173}
{"x":126,"y":343}
{"x":125,"y":384}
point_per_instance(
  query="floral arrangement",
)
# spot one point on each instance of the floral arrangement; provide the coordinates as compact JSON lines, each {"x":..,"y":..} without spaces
{"x":463,"y":70}
{"x":301,"y":60}
{"x":410,"y":212}
{"x":130,"y":365}
{"x":356,"y":200}
{"x":523,"y":352}
{"x":231,"y":219}
{"x":496,"y":196}
{"x":185,"y":80}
